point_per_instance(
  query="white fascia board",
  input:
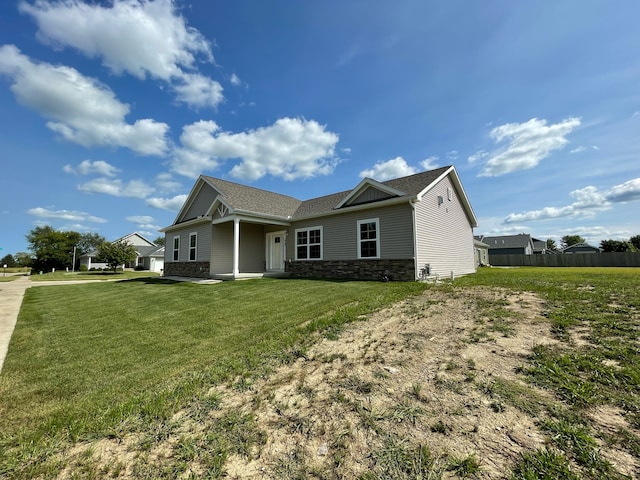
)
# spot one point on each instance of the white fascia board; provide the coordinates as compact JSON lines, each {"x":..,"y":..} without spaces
{"x":178,"y":226}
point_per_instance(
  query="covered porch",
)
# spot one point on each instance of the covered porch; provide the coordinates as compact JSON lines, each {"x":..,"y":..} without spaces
{"x":243,"y":247}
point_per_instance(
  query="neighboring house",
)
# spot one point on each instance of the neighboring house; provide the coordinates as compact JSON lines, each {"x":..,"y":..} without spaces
{"x":377,"y":230}
{"x":481,"y":252}
{"x":149,"y":255}
{"x":540,"y":247}
{"x":580,"y":248}
{"x":520,"y":244}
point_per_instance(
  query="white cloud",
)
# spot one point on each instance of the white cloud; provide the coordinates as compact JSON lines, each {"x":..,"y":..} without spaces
{"x":430,"y":163}
{"x":478,"y":156}
{"x":235,"y":80}
{"x":69,"y":215}
{"x":140,"y":219}
{"x":529,"y":143}
{"x":144,"y":222}
{"x":166,"y":183}
{"x":291,"y":148}
{"x":80,"y":109}
{"x":87,"y":167}
{"x":589,"y":201}
{"x":452,"y":155}
{"x":117,"y":188}
{"x":394,"y":168}
{"x":173,"y":204}
{"x":142,"y":38}
{"x":579,"y":149}
{"x":199,"y":91}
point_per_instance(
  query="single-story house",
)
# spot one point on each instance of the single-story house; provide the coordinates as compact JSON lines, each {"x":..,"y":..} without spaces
{"x":540,"y":246}
{"x":520,"y":244}
{"x":580,"y":248}
{"x":396,"y":229}
{"x":149,"y":255}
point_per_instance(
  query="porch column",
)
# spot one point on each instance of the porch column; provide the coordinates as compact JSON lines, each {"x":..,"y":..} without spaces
{"x":236,"y":246}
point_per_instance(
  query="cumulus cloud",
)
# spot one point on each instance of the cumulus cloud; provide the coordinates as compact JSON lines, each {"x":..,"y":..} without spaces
{"x":528,"y":144}
{"x":80,"y":109}
{"x":117,"y":188}
{"x":166,"y":183}
{"x":291,"y":148}
{"x":173,"y":204}
{"x":394,"y":168}
{"x":143,"y":222}
{"x":69,"y":215}
{"x":430,"y":163}
{"x":588,"y":201}
{"x":87,"y":167}
{"x":142,"y":38}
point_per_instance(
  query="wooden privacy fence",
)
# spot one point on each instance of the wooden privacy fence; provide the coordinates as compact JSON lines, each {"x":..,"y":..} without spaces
{"x":617,"y":259}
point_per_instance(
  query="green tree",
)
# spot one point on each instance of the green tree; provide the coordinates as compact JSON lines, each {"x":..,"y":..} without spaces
{"x":88,"y":243}
{"x":24,"y":259}
{"x":569,"y":240}
{"x":159,"y":241}
{"x":117,"y":254}
{"x":8,"y":260}
{"x":52,"y":248}
{"x":635,"y":241}
{"x":551,"y":245}
{"x":615,"y":246}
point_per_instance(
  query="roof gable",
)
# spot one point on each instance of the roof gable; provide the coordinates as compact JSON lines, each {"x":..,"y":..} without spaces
{"x":136,"y":240}
{"x":369,"y":190}
{"x":522,"y":240}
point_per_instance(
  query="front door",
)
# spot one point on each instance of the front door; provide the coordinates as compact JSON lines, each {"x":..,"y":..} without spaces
{"x":275,"y":251}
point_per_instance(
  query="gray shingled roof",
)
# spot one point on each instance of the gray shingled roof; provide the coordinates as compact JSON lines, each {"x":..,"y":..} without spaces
{"x":507,"y":241}
{"x":255,"y":200}
{"x":410,"y":185}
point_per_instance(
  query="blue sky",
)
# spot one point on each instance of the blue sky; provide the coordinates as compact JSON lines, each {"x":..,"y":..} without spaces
{"x":109,"y":110}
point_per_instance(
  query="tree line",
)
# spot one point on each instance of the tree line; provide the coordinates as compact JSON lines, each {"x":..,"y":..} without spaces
{"x":610,"y":245}
{"x":57,"y":249}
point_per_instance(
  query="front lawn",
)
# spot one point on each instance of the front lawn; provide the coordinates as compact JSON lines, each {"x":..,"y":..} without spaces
{"x":104,"y":360}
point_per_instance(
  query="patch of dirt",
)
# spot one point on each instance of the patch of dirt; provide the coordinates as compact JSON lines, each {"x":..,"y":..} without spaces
{"x":408,"y":373}
{"x":423,"y":372}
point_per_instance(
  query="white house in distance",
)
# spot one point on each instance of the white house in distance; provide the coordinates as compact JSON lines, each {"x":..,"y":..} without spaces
{"x":396,"y":230}
{"x":149,"y":255}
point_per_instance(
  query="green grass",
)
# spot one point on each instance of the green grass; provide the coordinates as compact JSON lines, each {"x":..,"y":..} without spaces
{"x":110,"y":360}
{"x":61,"y":275}
{"x":103,"y":360}
{"x":595,"y":315}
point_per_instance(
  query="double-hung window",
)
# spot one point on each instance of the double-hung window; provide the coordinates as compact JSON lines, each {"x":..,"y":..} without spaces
{"x":369,"y":238}
{"x":309,"y":243}
{"x":176,"y":248}
{"x":193,"y":245}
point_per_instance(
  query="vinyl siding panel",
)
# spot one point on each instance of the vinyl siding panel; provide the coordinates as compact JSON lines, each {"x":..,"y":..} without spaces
{"x":203,"y":246}
{"x":340,"y":233}
{"x":252,"y":248}
{"x":222,"y":248}
{"x":201,"y":203}
{"x":444,"y":234}
{"x":370,"y":195}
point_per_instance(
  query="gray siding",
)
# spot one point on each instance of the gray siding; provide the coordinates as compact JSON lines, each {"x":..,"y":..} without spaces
{"x":340,"y":233}
{"x":252,"y":248}
{"x":203,"y":246}
{"x":369,"y":195}
{"x":201,"y":203}
{"x":444,"y":237}
{"x":222,"y":248}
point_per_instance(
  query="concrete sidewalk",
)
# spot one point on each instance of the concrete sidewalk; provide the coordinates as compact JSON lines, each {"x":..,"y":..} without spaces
{"x":11,"y":294}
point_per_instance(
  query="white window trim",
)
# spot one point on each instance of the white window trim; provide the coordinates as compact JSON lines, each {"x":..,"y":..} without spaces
{"x":308,"y":229}
{"x":195,"y":249}
{"x":176,"y":251}
{"x":359,"y":240}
